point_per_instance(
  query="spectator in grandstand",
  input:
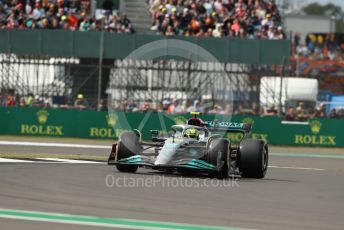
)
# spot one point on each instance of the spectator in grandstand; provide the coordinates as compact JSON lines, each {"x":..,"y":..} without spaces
{"x":300,"y":107}
{"x":80,"y":102}
{"x":301,"y":115}
{"x":290,"y":115}
{"x":333,"y":114}
{"x":10,"y":101}
{"x":103,"y":105}
{"x":216,"y":110}
{"x":196,"y":107}
{"x":38,"y":102}
{"x":217,"y":18}
{"x":120,"y":106}
{"x":60,"y":14}
{"x":255,"y":109}
{"x":340,"y":113}
{"x":239,"y":110}
{"x":29,"y":100}
{"x":175,"y":107}
{"x":22,"y":102}
{"x":146,"y":106}
{"x":271,"y":111}
{"x":228,"y":109}
{"x":131,"y":106}
{"x":165,"y":105}
{"x":170,"y":31}
{"x":318,"y":113}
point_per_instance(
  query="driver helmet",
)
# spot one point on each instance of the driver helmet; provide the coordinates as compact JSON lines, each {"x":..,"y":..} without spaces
{"x":192,"y":133}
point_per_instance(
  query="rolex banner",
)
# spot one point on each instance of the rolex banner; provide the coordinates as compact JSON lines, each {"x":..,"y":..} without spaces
{"x":102,"y":125}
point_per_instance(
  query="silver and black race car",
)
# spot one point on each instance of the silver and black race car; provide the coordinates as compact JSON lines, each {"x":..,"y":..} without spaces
{"x":196,"y":146}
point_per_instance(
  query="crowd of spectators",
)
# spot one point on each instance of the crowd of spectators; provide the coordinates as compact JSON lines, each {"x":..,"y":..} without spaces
{"x":300,"y":113}
{"x":320,"y":56}
{"x":79,"y":102}
{"x":60,"y":14}
{"x":320,"y":47}
{"x":258,"y":19}
{"x":30,"y":100}
{"x":170,"y":106}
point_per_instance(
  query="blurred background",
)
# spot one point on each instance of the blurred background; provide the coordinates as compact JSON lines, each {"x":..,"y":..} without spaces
{"x":275,"y":58}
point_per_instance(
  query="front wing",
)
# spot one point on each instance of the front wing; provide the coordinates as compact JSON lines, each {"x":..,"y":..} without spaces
{"x":148,"y":162}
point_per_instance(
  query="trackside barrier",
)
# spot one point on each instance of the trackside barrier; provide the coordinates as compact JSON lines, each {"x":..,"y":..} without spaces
{"x":101,"y":125}
{"x":64,"y":43}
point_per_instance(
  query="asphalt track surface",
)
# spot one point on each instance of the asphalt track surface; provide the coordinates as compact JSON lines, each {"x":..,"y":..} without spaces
{"x":303,"y":192}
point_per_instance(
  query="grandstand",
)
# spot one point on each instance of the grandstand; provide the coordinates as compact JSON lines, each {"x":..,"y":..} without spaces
{"x":63,"y":14}
{"x":243,"y":19}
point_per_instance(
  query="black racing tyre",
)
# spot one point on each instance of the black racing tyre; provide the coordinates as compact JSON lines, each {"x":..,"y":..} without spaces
{"x":128,"y":145}
{"x":253,"y":158}
{"x":219,"y":148}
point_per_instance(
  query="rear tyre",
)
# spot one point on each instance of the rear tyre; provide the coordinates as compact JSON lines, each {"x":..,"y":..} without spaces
{"x":128,"y":146}
{"x":253,"y":158}
{"x":218,"y":153}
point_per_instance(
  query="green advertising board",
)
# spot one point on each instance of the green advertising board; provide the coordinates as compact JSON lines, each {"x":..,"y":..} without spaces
{"x":102,"y":125}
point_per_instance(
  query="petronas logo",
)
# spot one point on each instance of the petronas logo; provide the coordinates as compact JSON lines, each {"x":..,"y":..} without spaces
{"x":315,"y":126}
{"x":111,"y":120}
{"x":179,"y":120}
{"x":42,"y":116}
{"x":248,"y":120}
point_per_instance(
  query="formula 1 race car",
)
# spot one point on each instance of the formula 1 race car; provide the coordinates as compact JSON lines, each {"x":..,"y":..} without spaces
{"x":195,"y":146}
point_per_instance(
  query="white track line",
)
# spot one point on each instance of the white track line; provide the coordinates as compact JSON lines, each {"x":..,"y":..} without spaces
{"x":47,"y":144}
{"x":70,"y":161}
{"x":6,"y":160}
{"x":300,"y":168}
{"x":57,"y":160}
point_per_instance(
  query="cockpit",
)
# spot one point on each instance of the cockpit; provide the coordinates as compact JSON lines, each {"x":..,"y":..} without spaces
{"x":190,"y":131}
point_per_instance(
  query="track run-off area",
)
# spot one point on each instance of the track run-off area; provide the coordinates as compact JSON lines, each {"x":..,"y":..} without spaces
{"x":66,"y":184}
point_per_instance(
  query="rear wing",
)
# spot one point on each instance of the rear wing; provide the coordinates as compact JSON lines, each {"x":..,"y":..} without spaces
{"x":228,"y":126}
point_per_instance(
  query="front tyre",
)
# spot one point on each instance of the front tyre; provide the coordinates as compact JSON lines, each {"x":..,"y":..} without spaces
{"x":128,"y":146}
{"x":253,"y":158}
{"x":218,"y":154}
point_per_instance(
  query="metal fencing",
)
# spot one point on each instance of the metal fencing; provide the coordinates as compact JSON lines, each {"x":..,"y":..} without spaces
{"x":56,"y":82}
